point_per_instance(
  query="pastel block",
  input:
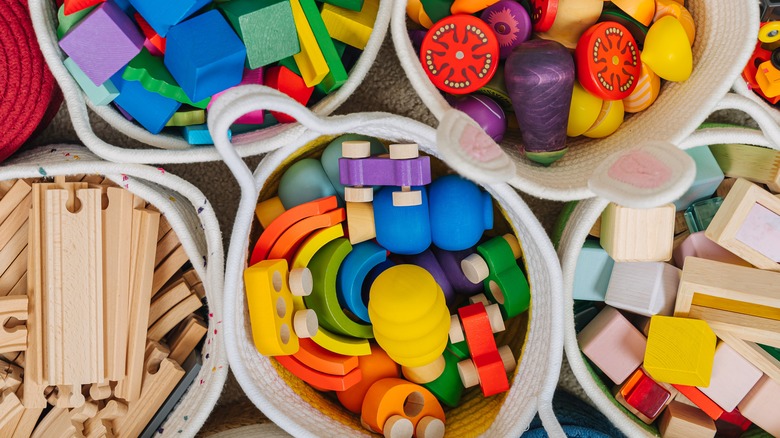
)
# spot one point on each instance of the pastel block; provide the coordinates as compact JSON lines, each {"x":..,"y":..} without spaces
{"x":760,"y":405}
{"x":638,"y":235}
{"x":459,"y":211}
{"x":204,"y":55}
{"x":594,"y":268}
{"x":337,"y":74}
{"x":698,"y":245}
{"x":288,"y":82}
{"x":266,"y":27}
{"x":402,"y":230}
{"x":66,"y":22}
{"x":332,"y":153}
{"x":304,"y":181}
{"x":310,"y":61}
{"x":733,"y":377}
{"x":250,"y":77}
{"x":645,"y":288}
{"x":613,"y":344}
{"x":149,"y":109}
{"x":198,"y":135}
{"x":680,"y":351}
{"x":348,"y":26}
{"x":699,"y":214}
{"x":708,"y":177}
{"x":164,"y":15}
{"x":683,"y":421}
{"x":103,"y":42}
{"x":384,"y":171}
{"x":151,"y":72}
{"x":584,"y":312}
{"x":644,"y":397}
{"x":98,"y":95}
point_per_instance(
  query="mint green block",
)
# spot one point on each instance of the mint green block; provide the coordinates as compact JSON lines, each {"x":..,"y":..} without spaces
{"x":699,"y":214}
{"x":708,"y":177}
{"x":98,"y":95}
{"x":594,"y":268}
{"x":266,"y":27}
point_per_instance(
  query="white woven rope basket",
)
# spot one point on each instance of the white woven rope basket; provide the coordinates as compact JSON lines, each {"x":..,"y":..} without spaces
{"x":193,"y":219}
{"x":725,"y":36}
{"x":169,"y":148}
{"x":537,"y":373}
{"x":587,"y":212}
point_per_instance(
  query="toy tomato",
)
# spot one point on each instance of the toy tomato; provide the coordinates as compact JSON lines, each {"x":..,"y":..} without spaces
{"x":608,"y":61}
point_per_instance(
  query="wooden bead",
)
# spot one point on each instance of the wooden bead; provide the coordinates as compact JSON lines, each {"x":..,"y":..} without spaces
{"x":404,"y":151}
{"x":682,"y":421}
{"x":680,"y":351}
{"x":358,"y":194}
{"x":426,"y":373}
{"x":429,"y":427}
{"x":398,"y":427}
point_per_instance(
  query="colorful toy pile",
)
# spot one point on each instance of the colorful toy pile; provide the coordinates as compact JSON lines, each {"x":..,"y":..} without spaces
{"x":762,"y":72}
{"x":162,"y":65}
{"x":592,"y":62}
{"x":378,"y":281}
{"x":693,"y":343}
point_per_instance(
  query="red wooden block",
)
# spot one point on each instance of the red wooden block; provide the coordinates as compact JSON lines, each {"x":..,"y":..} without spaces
{"x":317,"y":379}
{"x":700,"y":400}
{"x":288,"y":243}
{"x":732,"y":424}
{"x":644,"y":397}
{"x":286,"y":220}
{"x":285,"y":80}
{"x":72,"y":6}
{"x":150,"y":34}
{"x":483,"y":349}
{"x":315,"y":357}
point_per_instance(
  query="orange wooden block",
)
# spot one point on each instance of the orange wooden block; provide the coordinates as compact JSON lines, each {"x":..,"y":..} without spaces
{"x":326,"y":361}
{"x":150,"y":34}
{"x":700,"y":400}
{"x":287,"y":220}
{"x":288,"y":242}
{"x":390,"y":397}
{"x":320,"y":380}
{"x":375,"y":366}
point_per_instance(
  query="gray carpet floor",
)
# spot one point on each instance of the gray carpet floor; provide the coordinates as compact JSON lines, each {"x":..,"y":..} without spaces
{"x":384,"y":89}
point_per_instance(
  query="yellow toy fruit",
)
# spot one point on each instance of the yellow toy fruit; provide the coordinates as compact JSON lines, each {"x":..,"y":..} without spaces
{"x":678,"y":11}
{"x":646,"y":92}
{"x":608,"y":120}
{"x":667,"y":51}
{"x":642,"y":11}
{"x":584,"y":110}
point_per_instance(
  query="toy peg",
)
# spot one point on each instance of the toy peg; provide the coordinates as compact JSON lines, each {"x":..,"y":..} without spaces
{"x":488,"y":364}
{"x":305,"y":323}
{"x":13,"y":339}
{"x":644,"y":397}
{"x":396,"y":397}
{"x":398,"y":427}
{"x":429,"y":427}
{"x":404,"y":151}
{"x":301,"y":282}
{"x":494,"y":316}
{"x":357,"y":150}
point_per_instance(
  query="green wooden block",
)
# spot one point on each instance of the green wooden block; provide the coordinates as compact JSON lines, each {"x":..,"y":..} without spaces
{"x":338,"y":74}
{"x":437,"y":9}
{"x":322,"y":89}
{"x":352,"y":5}
{"x":266,"y":27}
{"x":66,"y":22}
{"x":151,"y":72}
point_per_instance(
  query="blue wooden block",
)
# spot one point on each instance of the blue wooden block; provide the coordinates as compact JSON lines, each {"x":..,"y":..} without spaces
{"x":402,"y":230}
{"x":332,"y":153}
{"x":304,"y":181}
{"x":198,"y":135}
{"x":149,"y":109}
{"x":459,"y":212}
{"x":204,"y":55}
{"x":98,"y":95}
{"x":708,"y":177}
{"x":594,"y":268}
{"x":162,"y":15}
{"x":364,"y":257}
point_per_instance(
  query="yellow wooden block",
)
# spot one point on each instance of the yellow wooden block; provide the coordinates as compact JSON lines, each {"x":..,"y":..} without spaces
{"x":680,"y":351}
{"x":269,"y":210}
{"x":351,"y":27}
{"x":310,"y":60}
{"x":270,"y":304}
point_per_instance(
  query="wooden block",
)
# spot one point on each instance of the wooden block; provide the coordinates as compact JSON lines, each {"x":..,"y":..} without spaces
{"x":638,"y":235}
{"x":100,"y":94}
{"x":699,"y":215}
{"x":145,"y":229}
{"x":267,"y":211}
{"x":348,"y":26}
{"x":267,"y":29}
{"x":337,"y":74}
{"x":290,"y":83}
{"x":708,"y":177}
{"x":748,"y":224}
{"x":173,"y":317}
{"x":733,"y":377}
{"x":167,"y":299}
{"x":680,"y":226}
{"x":64,"y":423}
{"x":318,"y":358}
{"x":646,"y":288}
{"x":682,"y":421}
{"x":754,"y":353}
{"x":360,"y":222}
{"x":318,"y":379}
{"x":698,"y":245}
{"x":15,"y":197}
{"x":756,"y":164}
{"x":643,"y":396}
{"x":168,"y":268}
{"x":701,"y":401}
{"x":310,"y":61}
{"x":613,"y":344}
{"x":10,"y":227}
{"x":186,"y":338}
{"x":680,"y":351}
{"x":156,"y":388}
{"x":288,"y":242}
{"x":760,"y":405}
{"x":746,"y":327}
{"x":11,"y":376}
{"x":117,"y":242}
{"x":485,"y":355}
{"x":723,"y":286}
{"x":595,"y":230}
{"x":13,"y":339}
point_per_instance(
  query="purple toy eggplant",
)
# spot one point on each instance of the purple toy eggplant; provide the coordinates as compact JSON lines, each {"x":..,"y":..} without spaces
{"x":540,"y":79}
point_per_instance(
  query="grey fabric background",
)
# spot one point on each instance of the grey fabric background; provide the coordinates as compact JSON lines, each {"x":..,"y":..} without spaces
{"x":384,"y":89}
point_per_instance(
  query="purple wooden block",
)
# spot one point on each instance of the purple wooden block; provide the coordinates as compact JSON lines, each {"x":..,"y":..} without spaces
{"x":540,"y":78}
{"x":103,"y":42}
{"x":450,"y":264}
{"x":427,"y":261}
{"x":376,"y":171}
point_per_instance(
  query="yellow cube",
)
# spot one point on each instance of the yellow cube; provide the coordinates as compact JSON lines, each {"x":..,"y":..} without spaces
{"x":351,"y":27}
{"x":680,"y":351}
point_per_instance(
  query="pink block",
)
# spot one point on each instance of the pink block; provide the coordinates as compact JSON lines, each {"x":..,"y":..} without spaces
{"x":760,"y":405}
{"x":251,"y":77}
{"x":733,"y":377}
{"x":761,"y":231}
{"x":613,"y":344}
{"x":698,"y":245}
